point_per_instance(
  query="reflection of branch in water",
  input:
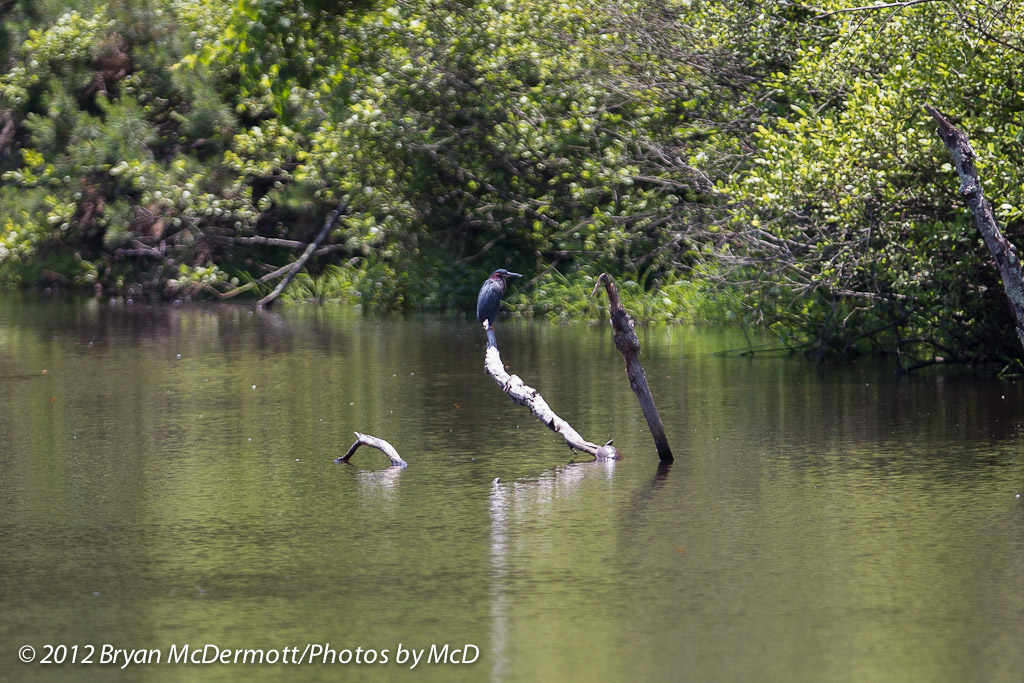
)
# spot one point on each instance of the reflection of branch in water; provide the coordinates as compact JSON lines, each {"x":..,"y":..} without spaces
{"x":506,"y":504}
{"x":644,"y":496}
{"x":386,"y":479}
{"x":561,"y":482}
{"x":635,"y":519}
{"x":498,"y":507}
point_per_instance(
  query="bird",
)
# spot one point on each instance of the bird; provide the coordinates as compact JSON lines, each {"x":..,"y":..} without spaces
{"x":489,"y":300}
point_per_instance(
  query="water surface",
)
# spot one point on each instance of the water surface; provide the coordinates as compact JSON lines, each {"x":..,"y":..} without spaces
{"x":167,"y":479}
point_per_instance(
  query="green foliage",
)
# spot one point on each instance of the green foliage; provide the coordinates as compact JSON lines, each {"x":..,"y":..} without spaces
{"x":115,"y":152}
{"x":848,"y":233}
{"x":668,"y":299}
{"x":767,"y":163}
{"x":167,"y":133}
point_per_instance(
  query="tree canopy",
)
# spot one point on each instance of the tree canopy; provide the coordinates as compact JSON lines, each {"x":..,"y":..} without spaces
{"x":847,"y":218}
{"x":764,"y":162}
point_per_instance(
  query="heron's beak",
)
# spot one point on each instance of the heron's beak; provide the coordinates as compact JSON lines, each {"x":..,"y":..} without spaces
{"x":513,"y":275}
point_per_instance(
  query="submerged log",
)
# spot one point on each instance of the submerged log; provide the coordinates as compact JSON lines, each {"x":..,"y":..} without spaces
{"x":527,"y":396}
{"x":629,"y":346}
{"x":1007,"y":260}
{"x":374,"y":442}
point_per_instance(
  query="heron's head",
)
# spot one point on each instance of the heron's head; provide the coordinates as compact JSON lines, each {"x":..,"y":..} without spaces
{"x":504,"y":274}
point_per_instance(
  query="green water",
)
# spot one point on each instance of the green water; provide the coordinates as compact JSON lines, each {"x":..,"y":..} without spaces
{"x":166,"y":479}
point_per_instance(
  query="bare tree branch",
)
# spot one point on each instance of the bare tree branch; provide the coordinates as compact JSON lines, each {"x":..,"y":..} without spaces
{"x":524,"y":395}
{"x":374,"y":442}
{"x":873,"y":8}
{"x":332,"y":220}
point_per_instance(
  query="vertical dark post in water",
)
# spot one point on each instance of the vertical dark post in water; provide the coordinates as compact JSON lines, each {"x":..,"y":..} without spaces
{"x":1004,"y":252}
{"x":629,"y":346}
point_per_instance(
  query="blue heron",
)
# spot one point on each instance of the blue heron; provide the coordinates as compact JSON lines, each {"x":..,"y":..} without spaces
{"x":489,"y":299}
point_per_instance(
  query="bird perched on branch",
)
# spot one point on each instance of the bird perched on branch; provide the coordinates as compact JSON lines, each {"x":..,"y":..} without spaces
{"x":489,"y":300}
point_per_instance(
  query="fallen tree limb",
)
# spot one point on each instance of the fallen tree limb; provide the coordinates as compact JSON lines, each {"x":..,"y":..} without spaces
{"x":629,"y":346}
{"x":265,"y":241}
{"x":1007,"y":260}
{"x":264,"y":279}
{"x":374,"y":442}
{"x":527,"y":396}
{"x":257,"y":240}
{"x":332,"y":220}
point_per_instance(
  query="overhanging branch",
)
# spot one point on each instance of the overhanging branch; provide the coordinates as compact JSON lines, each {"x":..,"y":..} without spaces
{"x":1005,"y":254}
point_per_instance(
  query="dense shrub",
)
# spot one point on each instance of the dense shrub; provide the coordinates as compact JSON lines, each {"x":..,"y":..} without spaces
{"x":767,"y":162}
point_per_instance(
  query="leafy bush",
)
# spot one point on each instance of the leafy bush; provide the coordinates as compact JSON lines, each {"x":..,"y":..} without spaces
{"x":848,"y":233}
{"x":759,"y":162}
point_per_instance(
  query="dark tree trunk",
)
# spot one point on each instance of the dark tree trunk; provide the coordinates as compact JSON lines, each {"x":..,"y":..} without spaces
{"x":629,"y":346}
{"x":1007,"y":260}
